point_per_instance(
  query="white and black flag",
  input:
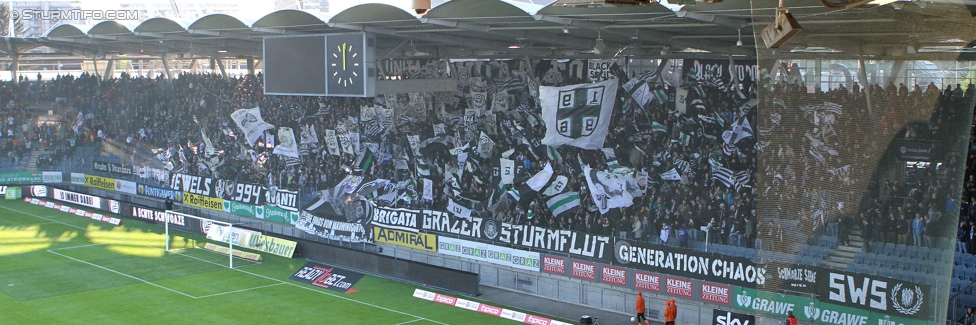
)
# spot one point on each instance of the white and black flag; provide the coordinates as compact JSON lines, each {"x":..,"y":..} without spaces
{"x":578,"y":115}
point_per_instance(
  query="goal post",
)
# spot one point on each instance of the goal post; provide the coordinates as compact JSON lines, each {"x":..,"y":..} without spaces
{"x":214,"y":230}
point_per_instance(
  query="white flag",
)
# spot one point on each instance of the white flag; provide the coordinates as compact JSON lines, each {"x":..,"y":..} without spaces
{"x":331,"y":142}
{"x":485,"y":145}
{"x":458,"y":210}
{"x":681,"y":100}
{"x":578,"y":115}
{"x":671,"y":175}
{"x":607,"y":190}
{"x":250,"y":121}
{"x":414,"y":141}
{"x":287,"y":146}
{"x":540,"y":179}
{"x":507,"y":171}
{"x":308,"y":134}
{"x":557,"y":186}
{"x":428,"y":189}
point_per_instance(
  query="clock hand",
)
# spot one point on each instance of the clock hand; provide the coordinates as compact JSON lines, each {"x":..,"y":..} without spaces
{"x":343,"y":56}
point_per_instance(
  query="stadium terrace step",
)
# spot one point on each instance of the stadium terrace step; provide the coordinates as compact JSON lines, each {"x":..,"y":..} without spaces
{"x":32,"y":161}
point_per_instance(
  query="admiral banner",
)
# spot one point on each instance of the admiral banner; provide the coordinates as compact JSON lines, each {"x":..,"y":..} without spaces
{"x":415,"y":240}
{"x":201,"y":201}
{"x":157,"y":192}
{"x":563,"y":241}
{"x":688,"y":263}
{"x":489,"y":253}
{"x":113,"y":168}
{"x":99,"y":182}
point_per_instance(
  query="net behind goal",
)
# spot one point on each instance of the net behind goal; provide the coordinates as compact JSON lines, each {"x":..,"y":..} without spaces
{"x":220,"y":232}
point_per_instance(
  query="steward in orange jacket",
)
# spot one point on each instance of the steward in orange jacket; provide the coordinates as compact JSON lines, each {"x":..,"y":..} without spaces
{"x":670,"y":312}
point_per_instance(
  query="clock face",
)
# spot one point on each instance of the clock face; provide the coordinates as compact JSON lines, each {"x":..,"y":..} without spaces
{"x":345,"y":64}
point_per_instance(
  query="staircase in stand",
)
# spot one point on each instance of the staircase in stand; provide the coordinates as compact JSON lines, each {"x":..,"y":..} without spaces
{"x":32,"y":161}
{"x":844,"y":254}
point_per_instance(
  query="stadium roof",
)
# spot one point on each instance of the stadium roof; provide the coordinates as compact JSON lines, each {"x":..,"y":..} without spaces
{"x":559,"y":29}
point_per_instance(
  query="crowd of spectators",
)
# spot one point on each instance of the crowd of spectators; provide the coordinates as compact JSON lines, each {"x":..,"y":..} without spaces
{"x":824,"y":154}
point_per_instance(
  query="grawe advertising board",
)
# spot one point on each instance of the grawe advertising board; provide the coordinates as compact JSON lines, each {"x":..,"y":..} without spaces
{"x":489,"y":253}
{"x":329,"y":277}
{"x":811,"y":311}
{"x":113,"y":169}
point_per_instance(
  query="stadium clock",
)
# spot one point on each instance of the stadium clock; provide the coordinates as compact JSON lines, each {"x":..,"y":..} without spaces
{"x":346,"y":63}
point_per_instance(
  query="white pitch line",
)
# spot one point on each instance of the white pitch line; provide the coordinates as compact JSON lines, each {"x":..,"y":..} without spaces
{"x":122,"y":274}
{"x":236,"y":291}
{"x":262,"y":276}
{"x":408,"y":322}
{"x":89,"y":245}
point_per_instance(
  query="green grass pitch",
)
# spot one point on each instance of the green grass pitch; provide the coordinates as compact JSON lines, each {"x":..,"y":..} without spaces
{"x":58,"y":268}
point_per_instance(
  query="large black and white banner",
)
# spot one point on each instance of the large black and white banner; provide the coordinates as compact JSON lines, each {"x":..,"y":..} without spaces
{"x":578,"y":115}
{"x":688,"y":263}
{"x":355,"y":232}
{"x":875,"y":293}
{"x":112,"y":169}
{"x":251,"y":123}
{"x":746,"y":72}
{"x":524,"y":236}
{"x":864,"y":291}
{"x":234,"y":191}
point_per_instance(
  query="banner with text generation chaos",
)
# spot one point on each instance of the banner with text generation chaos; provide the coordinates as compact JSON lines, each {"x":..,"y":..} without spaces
{"x":489,"y":253}
{"x":563,"y":241}
{"x":410,"y":239}
{"x":688,"y":263}
{"x":114,"y":169}
{"x":160,"y":193}
{"x":329,"y":277}
{"x":21,"y":178}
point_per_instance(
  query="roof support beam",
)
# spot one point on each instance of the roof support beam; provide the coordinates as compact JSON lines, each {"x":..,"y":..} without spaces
{"x":714,"y":19}
{"x":532,"y":37}
{"x":656,"y":37}
{"x":444,"y":39}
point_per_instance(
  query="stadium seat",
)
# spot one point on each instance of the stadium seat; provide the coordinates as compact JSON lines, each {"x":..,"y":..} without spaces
{"x":900,"y":250}
{"x":889,"y":249}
